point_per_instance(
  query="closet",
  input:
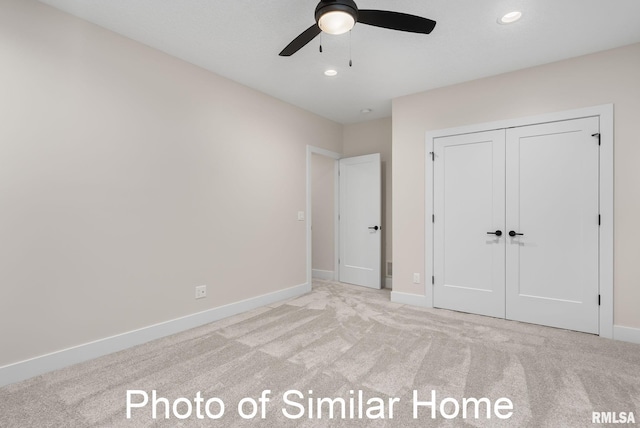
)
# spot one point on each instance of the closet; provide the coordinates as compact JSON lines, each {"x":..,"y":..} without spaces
{"x":516,"y":223}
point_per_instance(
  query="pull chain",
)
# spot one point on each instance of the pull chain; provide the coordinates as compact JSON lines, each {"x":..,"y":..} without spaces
{"x":320,"y":42}
{"x":350,"y":62}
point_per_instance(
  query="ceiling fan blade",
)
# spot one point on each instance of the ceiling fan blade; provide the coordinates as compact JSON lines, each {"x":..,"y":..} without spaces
{"x":396,"y":21}
{"x":304,"y":38}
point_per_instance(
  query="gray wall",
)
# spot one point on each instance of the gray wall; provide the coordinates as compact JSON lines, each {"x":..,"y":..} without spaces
{"x":128,"y":177}
{"x":323,"y":209}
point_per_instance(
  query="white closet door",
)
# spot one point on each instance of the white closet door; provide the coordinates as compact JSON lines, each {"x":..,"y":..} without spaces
{"x":552,"y":199}
{"x":468,"y":203}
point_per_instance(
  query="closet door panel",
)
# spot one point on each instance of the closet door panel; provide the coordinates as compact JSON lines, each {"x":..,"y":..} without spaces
{"x":469,"y":203}
{"x":552,"y":200}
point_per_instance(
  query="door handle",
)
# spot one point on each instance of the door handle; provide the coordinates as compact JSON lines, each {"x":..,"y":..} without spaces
{"x":374,"y":227}
{"x":513,"y":233}
{"x":497,"y":233}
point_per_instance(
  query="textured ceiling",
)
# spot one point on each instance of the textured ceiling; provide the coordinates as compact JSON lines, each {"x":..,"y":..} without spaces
{"x":241,"y":39}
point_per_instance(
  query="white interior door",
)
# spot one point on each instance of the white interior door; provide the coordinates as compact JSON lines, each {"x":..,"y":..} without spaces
{"x":552,"y":199}
{"x":469,"y":241}
{"x":360,"y":220}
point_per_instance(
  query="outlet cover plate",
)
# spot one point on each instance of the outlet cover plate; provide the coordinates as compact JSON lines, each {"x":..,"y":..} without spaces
{"x":201,"y":291}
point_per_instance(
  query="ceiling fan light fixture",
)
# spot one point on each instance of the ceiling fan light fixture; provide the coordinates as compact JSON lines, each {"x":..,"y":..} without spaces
{"x":336,"y":22}
{"x":336,"y":16}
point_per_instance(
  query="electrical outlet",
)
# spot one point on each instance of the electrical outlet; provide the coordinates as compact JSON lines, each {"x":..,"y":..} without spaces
{"x":201,"y":291}
{"x":416,"y":278}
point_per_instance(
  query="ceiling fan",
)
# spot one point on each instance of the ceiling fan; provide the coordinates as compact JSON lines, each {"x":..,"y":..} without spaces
{"x":339,"y":16}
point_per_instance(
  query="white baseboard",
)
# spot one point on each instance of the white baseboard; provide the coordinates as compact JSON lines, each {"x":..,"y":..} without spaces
{"x":388,"y":282}
{"x":626,"y":334}
{"x":22,"y":370}
{"x":410,"y":299}
{"x":322,"y":274}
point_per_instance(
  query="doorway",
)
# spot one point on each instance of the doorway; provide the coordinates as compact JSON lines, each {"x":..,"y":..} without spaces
{"x":323,"y":217}
{"x":354,"y":221}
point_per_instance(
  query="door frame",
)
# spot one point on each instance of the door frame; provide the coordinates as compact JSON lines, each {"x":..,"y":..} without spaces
{"x":605,"y":113}
{"x":336,"y":207}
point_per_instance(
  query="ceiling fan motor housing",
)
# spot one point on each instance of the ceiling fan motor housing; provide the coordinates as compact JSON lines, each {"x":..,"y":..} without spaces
{"x":348,"y":6}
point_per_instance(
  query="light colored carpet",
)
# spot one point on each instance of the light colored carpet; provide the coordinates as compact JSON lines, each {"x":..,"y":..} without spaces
{"x":337,"y":339}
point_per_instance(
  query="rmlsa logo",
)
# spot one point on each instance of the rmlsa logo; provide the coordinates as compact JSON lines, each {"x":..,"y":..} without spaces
{"x":613,"y":418}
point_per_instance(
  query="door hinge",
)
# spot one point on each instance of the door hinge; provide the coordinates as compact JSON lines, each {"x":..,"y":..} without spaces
{"x":597,"y":134}
{"x":433,"y":156}
{"x":599,"y":220}
{"x":338,"y":261}
{"x":433,"y":218}
{"x":598,"y":300}
{"x":433,"y":279}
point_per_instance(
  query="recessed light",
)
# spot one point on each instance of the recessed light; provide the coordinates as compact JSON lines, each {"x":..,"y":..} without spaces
{"x":510,"y":17}
{"x":366,"y":111}
{"x":330,"y":73}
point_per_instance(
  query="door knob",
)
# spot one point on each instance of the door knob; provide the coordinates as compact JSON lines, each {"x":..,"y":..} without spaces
{"x":374,"y":227}
{"x":513,"y":233}
{"x":497,"y":233}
